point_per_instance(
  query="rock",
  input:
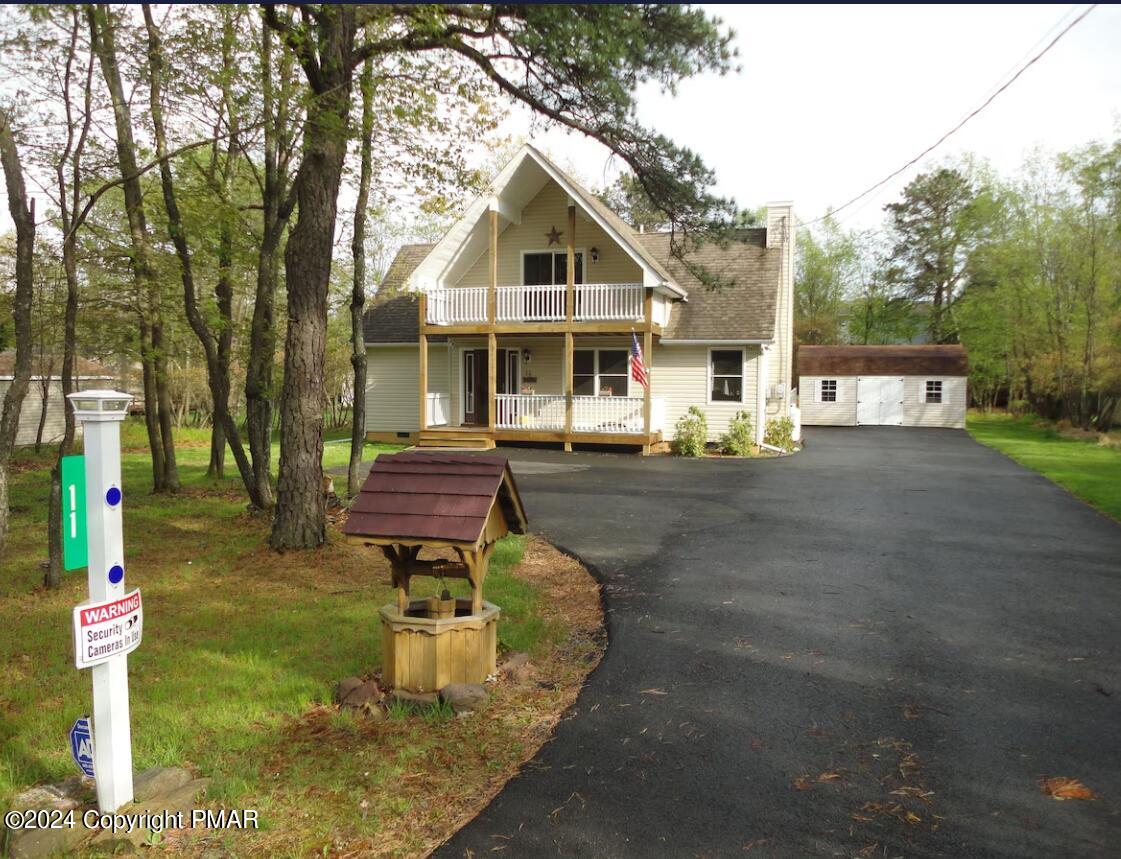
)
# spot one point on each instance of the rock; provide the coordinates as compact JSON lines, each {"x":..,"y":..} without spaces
{"x":357,"y":693}
{"x":517,"y":667}
{"x":465,"y":697}
{"x":180,"y":799}
{"x":157,"y":782}
{"x":36,"y":843}
{"x":414,"y":697}
{"x":56,"y":796}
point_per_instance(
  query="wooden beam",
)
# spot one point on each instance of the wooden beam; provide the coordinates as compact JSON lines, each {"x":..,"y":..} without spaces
{"x":568,"y":356}
{"x":648,"y":357}
{"x":422,"y":353}
{"x":492,"y":282}
{"x":570,"y":281}
{"x":492,"y":379}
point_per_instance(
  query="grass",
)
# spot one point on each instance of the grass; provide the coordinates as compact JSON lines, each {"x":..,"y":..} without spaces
{"x":1084,"y":467}
{"x":241,"y":645}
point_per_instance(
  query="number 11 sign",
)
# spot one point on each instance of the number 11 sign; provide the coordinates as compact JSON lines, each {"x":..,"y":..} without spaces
{"x":75,"y":552}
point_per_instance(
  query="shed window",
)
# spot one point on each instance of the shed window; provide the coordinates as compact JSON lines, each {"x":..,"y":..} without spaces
{"x":934,"y":390}
{"x":726,"y":372}
{"x":829,"y":390}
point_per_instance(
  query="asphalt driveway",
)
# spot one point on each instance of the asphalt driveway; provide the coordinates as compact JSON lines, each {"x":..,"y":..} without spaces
{"x":879,"y":645}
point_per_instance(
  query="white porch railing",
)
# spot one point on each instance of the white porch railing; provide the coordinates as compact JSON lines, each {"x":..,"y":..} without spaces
{"x":609,"y":301}
{"x":438,"y":409}
{"x":530,"y":303}
{"x":455,"y":306}
{"x":589,"y":414}
{"x":594,"y":302}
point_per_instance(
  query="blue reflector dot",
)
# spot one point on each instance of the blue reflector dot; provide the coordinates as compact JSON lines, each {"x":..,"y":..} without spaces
{"x":113,"y":496}
{"x":116,"y":573}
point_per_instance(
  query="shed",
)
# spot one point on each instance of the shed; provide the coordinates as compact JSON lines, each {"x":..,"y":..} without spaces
{"x":911,"y":385}
{"x":44,"y":404}
{"x":416,"y":500}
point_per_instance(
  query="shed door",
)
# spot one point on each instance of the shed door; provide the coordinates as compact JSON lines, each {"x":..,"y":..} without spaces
{"x":879,"y":400}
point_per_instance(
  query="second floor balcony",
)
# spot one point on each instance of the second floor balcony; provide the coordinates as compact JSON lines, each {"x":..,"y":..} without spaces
{"x":593,"y":302}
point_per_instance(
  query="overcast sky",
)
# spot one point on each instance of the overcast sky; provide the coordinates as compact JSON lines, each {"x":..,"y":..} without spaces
{"x":833,"y":98}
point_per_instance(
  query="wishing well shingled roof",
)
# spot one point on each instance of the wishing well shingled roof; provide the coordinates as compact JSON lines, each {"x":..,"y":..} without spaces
{"x":416,"y":495}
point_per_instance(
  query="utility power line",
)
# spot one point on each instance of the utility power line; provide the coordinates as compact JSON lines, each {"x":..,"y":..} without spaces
{"x":962,"y":122}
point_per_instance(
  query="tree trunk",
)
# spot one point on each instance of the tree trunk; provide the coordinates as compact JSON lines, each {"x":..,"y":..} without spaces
{"x":300,"y":520}
{"x":44,"y":399}
{"x":157,"y":402}
{"x":358,"y":293}
{"x":23,"y":215}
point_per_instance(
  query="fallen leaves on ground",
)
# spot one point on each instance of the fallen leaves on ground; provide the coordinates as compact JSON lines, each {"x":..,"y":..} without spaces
{"x":1061,"y":788}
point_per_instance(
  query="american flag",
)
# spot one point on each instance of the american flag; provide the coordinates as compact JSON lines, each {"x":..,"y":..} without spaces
{"x":638,"y":365}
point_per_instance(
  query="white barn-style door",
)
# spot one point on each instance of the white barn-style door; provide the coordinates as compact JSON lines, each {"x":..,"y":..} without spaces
{"x":879,"y":400}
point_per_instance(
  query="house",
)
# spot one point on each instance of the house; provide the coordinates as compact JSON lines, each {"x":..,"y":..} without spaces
{"x":911,"y":386}
{"x":518,"y":324}
{"x":45,"y":392}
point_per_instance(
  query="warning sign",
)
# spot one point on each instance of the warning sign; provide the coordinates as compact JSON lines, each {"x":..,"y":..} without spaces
{"x":107,"y":629}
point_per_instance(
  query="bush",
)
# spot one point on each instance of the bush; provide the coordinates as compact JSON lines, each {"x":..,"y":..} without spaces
{"x":740,"y":435}
{"x":690,"y":433}
{"x":780,"y":433}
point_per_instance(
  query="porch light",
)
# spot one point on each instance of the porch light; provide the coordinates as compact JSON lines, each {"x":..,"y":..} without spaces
{"x":525,"y":356}
{"x":100,"y":405}
{"x":595,"y":254}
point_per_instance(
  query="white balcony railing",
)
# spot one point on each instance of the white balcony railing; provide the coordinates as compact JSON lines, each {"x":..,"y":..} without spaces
{"x":589,"y":414}
{"x":593,"y":302}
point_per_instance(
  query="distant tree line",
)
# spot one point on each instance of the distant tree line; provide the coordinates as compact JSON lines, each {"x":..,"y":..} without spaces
{"x":1024,"y":271}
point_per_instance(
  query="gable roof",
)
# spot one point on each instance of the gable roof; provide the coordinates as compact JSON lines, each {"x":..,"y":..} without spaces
{"x":906,"y":360}
{"x":393,"y":318}
{"x":415,"y":496}
{"x":745,"y":310}
{"x":510,"y":191}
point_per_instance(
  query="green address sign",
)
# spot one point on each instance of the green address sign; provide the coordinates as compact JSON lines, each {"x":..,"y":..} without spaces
{"x":75,"y":552}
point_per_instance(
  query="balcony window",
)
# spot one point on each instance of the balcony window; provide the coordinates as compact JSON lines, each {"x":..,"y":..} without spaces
{"x":546,"y":268}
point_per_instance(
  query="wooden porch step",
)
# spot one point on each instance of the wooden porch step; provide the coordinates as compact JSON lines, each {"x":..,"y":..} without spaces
{"x":460,"y":438}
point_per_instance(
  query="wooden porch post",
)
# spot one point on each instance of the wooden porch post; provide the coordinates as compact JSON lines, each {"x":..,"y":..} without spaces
{"x":492,"y":315}
{"x":422,"y":354}
{"x":492,"y":378}
{"x":492,"y":285}
{"x":648,"y":357}
{"x":569,"y":312}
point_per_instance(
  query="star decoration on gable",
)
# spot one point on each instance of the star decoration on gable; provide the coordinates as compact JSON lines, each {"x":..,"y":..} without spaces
{"x":554,"y":236}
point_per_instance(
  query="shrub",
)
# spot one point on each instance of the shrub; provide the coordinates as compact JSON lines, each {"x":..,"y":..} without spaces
{"x":780,"y":433}
{"x":740,"y":435}
{"x":690,"y":433}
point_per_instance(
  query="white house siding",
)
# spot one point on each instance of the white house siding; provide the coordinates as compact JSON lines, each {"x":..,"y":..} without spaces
{"x":392,"y":385}
{"x":32,"y":410}
{"x":949,"y":413}
{"x":839,"y":414}
{"x":781,"y":233}
{"x":547,"y":210}
{"x":680,"y":375}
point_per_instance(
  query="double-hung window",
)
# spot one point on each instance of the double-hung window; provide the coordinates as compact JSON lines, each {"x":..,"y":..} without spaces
{"x":725,"y":371}
{"x":600,"y":372}
{"x":933,"y":390}
{"x":829,"y":390}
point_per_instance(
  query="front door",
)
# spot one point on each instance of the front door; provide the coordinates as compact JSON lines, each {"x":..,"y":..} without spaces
{"x":475,"y":386}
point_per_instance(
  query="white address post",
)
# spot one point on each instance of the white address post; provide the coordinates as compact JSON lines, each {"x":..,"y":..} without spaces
{"x":101,"y":413}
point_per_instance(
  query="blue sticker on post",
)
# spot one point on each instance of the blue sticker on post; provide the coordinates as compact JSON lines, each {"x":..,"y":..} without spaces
{"x":116,"y":573}
{"x":81,"y":745}
{"x":113,"y":496}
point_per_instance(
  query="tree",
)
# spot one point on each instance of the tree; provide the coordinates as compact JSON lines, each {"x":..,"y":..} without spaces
{"x":935,"y":227}
{"x":157,"y":411}
{"x":358,"y":291}
{"x":575,"y":65}
{"x":826,"y":270}
{"x":23,"y":215}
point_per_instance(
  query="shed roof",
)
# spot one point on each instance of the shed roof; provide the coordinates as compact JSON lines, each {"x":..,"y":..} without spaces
{"x":932,"y":360}
{"x":41,"y":365}
{"x":447,"y":498}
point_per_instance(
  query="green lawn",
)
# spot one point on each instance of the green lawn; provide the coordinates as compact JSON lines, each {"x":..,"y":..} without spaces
{"x":240,"y":644}
{"x":1087,"y":469}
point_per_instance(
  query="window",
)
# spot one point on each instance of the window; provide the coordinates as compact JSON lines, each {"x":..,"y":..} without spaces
{"x":726,"y":375}
{"x":934,"y":390}
{"x":600,"y":372}
{"x":549,"y":267}
{"x":829,"y":390}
